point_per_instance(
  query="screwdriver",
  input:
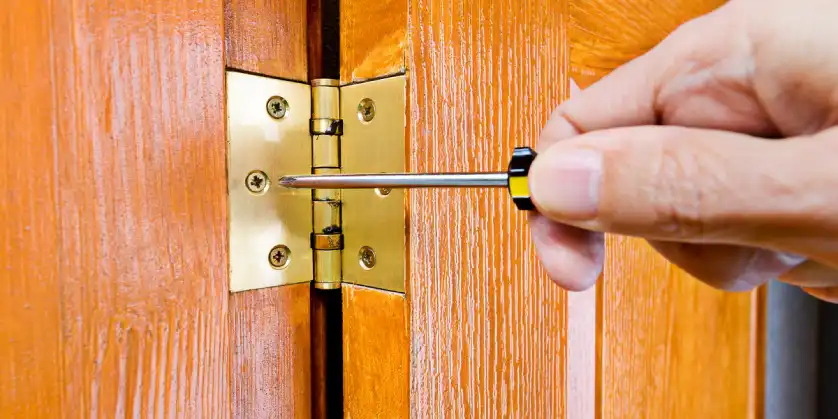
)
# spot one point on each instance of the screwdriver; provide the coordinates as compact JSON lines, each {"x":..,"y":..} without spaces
{"x":514,"y":179}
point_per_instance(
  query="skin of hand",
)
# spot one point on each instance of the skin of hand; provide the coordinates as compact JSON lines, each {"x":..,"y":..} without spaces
{"x":719,"y":147}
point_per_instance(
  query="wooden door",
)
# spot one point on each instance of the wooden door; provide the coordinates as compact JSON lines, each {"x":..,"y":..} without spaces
{"x":114,"y":285}
{"x":480,"y":331}
{"x":114,"y":281}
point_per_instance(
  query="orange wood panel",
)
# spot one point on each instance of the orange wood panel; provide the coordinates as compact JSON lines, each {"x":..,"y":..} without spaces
{"x":271,"y":333}
{"x":487,"y":327}
{"x":271,"y":352}
{"x":373,"y":38}
{"x":31,"y":370}
{"x":114,"y":217}
{"x":267,"y":37}
{"x":670,"y":345}
{"x":375,"y":353}
{"x":604,"y":34}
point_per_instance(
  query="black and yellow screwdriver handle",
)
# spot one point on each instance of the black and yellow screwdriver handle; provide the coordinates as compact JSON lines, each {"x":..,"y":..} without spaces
{"x":518,"y":177}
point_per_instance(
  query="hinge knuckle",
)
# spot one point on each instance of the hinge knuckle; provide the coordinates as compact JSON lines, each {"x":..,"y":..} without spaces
{"x":325,"y":128}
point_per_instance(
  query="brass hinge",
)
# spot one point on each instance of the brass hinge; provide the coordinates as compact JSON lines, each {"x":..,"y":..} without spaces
{"x":327,"y":235}
{"x":283,"y":236}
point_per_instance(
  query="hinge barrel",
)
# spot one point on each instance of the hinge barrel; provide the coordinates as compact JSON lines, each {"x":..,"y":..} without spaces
{"x":327,"y":234}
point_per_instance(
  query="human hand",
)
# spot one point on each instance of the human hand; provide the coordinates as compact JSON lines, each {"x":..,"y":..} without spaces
{"x":673,"y":147}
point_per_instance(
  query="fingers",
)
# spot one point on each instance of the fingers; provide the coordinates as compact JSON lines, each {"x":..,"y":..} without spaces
{"x":730,"y":268}
{"x":625,"y":97}
{"x":694,"y":77}
{"x":829,"y":295}
{"x":811,"y":274}
{"x":571,"y":256}
{"x":690,"y":185}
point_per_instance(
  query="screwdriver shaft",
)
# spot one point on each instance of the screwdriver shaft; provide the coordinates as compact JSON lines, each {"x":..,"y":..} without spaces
{"x":397,"y":181}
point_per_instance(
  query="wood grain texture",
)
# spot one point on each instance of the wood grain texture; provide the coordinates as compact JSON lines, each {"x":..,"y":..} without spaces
{"x":267,"y":37}
{"x":271,"y":352}
{"x":113,"y":232}
{"x":373,"y":38}
{"x":670,"y":345}
{"x":487,"y":327}
{"x":270,"y":328}
{"x":604,"y":34}
{"x":376,"y":353}
{"x":31,"y":370}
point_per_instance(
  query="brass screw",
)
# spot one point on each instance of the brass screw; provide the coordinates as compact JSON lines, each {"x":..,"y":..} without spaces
{"x":256,"y":182}
{"x":383,"y":191}
{"x":366,"y":110}
{"x":367,"y":257}
{"x":277,"y":107}
{"x":280,"y":256}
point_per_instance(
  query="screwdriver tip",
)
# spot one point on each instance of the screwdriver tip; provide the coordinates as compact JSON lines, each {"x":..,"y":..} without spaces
{"x":287,"y":181}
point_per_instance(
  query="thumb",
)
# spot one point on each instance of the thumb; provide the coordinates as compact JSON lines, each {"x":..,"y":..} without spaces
{"x":690,"y":185}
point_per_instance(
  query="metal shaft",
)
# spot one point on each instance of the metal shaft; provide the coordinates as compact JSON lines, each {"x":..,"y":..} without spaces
{"x":397,"y":181}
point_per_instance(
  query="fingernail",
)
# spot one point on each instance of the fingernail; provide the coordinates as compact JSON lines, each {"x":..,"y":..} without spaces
{"x":567,"y":183}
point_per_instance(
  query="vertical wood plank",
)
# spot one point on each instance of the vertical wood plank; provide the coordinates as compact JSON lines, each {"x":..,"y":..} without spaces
{"x":139,"y":137}
{"x":271,"y":334}
{"x":114,"y":220}
{"x":488,"y":329}
{"x":375,"y":352}
{"x":671,"y":346}
{"x":267,"y":38}
{"x":31,"y":372}
{"x":271,"y":352}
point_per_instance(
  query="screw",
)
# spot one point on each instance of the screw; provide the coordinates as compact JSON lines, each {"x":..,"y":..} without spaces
{"x":256,"y":182}
{"x":277,"y":107}
{"x":279,"y":257}
{"x":383,"y":191}
{"x":367,"y":257}
{"x":366,"y":110}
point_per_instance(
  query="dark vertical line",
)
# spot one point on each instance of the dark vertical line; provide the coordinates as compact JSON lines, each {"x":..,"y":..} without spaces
{"x":827,"y":362}
{"x":326,"y":353}
{"x":323,"y":39}
{"x":314,"y":39}
{"x":759,"y":349}
{"x":331,"y":39}
{"x":326,"y":305}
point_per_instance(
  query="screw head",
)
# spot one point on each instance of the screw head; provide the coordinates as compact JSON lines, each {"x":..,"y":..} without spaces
{"x":366,"y":257}
{"x":279,"y":256}
{"x":366,"y":110}
{"x":277,"y":107}
{"x":257,"y":182}
{"x":382,"y":192}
